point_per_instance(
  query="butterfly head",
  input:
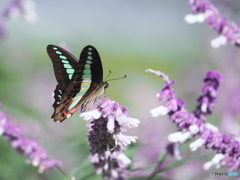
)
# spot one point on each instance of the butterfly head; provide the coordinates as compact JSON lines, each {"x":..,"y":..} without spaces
{"x":106,"y":85}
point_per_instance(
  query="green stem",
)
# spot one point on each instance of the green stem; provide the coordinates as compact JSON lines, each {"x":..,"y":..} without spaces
{"x":158,"y":167}
{"x":62,"y":171}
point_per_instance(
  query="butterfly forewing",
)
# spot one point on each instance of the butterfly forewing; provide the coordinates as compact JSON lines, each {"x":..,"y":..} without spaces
{"x":64,"y":64}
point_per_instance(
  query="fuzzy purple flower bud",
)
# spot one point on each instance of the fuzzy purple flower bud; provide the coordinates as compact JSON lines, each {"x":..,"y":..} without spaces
{"x":107,"y":138}
{"x":36,"y":155}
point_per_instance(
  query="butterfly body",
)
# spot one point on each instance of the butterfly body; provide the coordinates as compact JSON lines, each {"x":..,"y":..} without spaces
{"x":80,"y":81}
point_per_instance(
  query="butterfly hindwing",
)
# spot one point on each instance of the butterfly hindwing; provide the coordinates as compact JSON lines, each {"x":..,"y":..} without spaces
{"x":57,"y":96}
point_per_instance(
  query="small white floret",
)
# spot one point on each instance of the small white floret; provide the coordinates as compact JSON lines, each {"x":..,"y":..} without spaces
{"x":161,"y":110}
{"x":211,"y":126}
{"x":194,"y":18}
{"x":219,"y":41}
{"x":196,"y":144}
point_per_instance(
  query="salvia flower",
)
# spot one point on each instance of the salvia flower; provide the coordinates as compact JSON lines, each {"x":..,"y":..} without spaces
{"x":36,"y":155}
{"x":206,"y":102}
{"x":107,"y":138}
{"x":193,"y":125}
{"x":205,"y":11}
{"x":16,"y":9}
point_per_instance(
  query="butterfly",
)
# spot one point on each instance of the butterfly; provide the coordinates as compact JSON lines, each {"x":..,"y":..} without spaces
{"x":80,"y":81}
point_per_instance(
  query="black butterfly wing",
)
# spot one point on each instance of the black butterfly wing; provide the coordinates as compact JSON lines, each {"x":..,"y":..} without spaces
{"x":89,"y":66}
{"x":79,"y":81}
{"x":64,"y":65}
{"x":90,"y":56}
{"x":87,"y":78}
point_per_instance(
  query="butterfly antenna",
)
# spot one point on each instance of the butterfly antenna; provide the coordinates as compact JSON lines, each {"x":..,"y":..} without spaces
{"x":108,"y":75}
{"x":118,"y":78}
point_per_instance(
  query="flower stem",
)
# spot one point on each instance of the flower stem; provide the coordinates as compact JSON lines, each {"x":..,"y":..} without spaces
{"x":62,"y":171}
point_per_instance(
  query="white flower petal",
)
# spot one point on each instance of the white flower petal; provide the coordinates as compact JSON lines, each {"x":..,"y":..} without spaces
{"x":211,"y":126}
{"x":94,"y":158}
{"x":194,"y":129}
{"x":179,"y":137}
{"x":132,"y":122}
{"x":111,"y":124}
{"x":217,"y":158}
{"x":124,"y":120}
{"x":195,"y":18}
{"x":200,"y":18}
{"x":124,"y":159}
{"x":217,"y":42}
{"x":174,"y":137}
{"x":196,"y":144}
{"x":207,"y":165}
{"x":95,"y":114}
{"x":105,"y":167}
{"x":121,"y":118}
{"x":114,"y":174}
{"x":36,"y":162}
{"x":161,"y":110}
{"x":123,"y":139}
{"x":107,"y":153}
{"x":185,"y":137}
{"x":204,"y":107}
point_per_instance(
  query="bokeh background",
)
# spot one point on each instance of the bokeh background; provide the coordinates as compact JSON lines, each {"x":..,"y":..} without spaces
{"x":131,"y":36}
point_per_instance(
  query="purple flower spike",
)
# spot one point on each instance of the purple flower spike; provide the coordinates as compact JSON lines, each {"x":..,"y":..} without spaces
{"x":191,"y":125}
{"x":36,"y":155}
{"x":107,"y":138}
{"x":205,"y":11}
{"x":208,"y":99}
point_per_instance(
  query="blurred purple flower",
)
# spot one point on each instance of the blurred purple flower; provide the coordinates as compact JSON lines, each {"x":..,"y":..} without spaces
{"x":107,"y":138}
{"x":229,"y":31}
{"x":36,"y":155}
{"x":227,"y":146}
{"x":14,"y":10}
